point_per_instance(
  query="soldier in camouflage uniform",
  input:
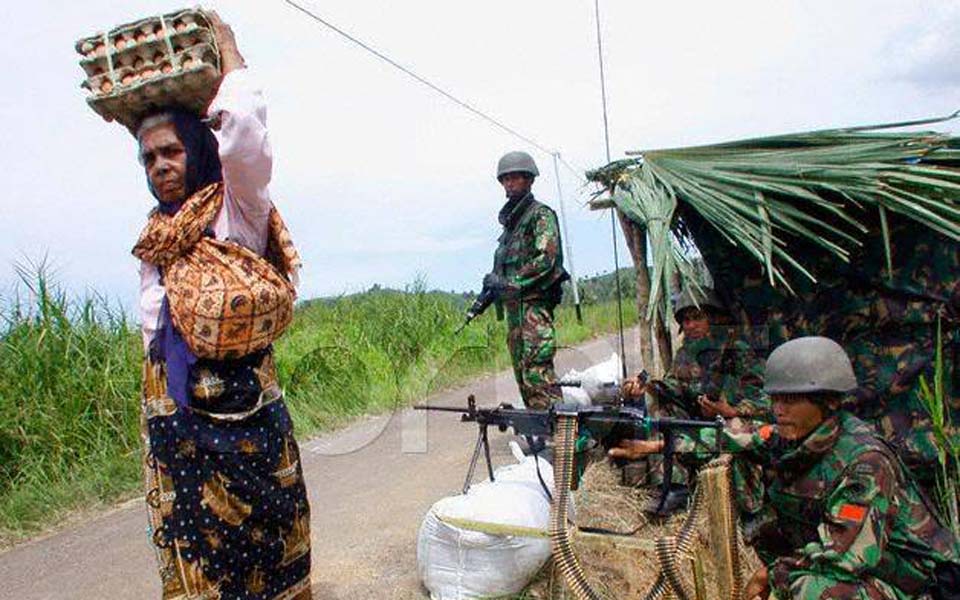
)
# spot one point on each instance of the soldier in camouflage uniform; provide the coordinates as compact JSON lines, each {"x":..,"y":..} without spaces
{"x":714,"y":373}
{"x":844,"y":519}
{"x":886,"y":321}
{"x":527,"y":275}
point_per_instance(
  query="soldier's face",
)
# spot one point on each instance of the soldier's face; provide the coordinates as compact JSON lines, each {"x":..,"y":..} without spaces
{"x":796,"y":415}
{"x":695,"y":324}
{"x":516,"y":185}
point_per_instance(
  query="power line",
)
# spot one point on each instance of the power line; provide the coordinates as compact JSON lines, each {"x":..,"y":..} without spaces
{"x":462,"y":103}
{"x":613,"y":220}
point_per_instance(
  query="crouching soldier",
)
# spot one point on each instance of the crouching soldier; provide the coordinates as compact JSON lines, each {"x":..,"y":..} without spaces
{"x":845,"y":521}
{"x":714,"y":372}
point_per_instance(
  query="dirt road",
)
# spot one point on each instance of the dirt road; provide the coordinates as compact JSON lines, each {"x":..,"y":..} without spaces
{"x":370,"y":485}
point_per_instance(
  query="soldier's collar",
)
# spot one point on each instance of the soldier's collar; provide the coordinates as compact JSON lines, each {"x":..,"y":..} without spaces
{"x":513,"y":210}
{"x":799,"y":456}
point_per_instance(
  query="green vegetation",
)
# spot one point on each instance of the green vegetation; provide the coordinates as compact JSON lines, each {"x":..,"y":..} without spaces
{"x":70,"y":381}
{"x":936,"y":402}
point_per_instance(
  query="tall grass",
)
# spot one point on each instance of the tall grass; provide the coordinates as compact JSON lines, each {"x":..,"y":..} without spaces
{"x":935,"y":400}
{"x":70,"y":377}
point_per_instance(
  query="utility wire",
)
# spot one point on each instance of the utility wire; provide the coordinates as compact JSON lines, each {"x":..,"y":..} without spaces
{"x":613,"y":219}
{"x":462,"y":103}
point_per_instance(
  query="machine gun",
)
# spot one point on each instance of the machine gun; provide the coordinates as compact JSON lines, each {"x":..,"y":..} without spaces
{"x":607,"y":424}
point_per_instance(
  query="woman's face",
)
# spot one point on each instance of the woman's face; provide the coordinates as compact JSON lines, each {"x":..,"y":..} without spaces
{"x":164,"y":158}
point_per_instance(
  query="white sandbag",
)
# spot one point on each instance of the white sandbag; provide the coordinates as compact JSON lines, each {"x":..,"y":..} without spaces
{"x":456,"y":564}
{"x":575,"y":395}
{"x":599,"y":384}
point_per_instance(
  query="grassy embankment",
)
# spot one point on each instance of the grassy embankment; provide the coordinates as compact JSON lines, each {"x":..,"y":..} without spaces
{"x":70,"y":371}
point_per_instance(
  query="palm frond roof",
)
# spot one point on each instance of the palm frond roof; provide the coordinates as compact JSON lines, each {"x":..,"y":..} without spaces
{"x":765,"y":195}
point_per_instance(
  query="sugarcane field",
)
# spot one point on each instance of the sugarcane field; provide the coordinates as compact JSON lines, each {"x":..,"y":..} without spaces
{"x":596,"y":300}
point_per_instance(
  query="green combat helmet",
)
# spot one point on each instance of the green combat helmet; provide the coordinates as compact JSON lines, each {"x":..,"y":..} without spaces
{"x":516,"y":162}
{"x":808,"y":365}
{"x":703,"y":298}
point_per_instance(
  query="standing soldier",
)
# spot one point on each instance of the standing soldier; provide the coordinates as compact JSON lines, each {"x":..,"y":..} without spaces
{"x":526,"y":279}
{"x":845,"y":520}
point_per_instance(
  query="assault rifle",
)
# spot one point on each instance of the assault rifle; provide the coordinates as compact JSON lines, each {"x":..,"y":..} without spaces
{"x":607,"y":424}
{"x":487,"y":297}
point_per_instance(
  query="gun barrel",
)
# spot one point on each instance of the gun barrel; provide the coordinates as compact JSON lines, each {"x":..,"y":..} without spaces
{"x":458,"y":409}
{"x":668,"y":422}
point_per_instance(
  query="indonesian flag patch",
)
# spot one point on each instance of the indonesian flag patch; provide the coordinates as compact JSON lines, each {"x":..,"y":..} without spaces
{"x":852,"y":512}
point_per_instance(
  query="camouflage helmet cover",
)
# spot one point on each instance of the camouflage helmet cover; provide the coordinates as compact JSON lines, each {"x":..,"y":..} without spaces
{"x":808,"y":365}
{"x":516,"y":162}
{"x":703,"y":298}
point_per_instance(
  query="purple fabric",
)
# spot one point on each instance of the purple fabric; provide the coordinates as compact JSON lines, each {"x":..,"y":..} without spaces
{"x":178,"y":358}
{"x":203,"y":168}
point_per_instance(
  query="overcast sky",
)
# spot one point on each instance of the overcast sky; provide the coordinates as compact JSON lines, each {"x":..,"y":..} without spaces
{"x":381,"y":179}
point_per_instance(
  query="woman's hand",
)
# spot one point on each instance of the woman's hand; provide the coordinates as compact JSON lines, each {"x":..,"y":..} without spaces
{"x":230,"y":58}
{"x":634,"y":449}
{"x":758,"y":588}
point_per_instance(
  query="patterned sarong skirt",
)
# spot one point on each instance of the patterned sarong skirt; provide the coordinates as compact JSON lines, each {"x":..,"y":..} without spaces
{"x":228,"y":512}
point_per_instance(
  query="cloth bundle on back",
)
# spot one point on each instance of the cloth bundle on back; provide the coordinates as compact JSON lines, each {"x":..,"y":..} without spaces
{"x":227,"y":504}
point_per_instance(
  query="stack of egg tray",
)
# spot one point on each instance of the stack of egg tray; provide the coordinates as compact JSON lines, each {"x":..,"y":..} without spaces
{"x":165,"y":61}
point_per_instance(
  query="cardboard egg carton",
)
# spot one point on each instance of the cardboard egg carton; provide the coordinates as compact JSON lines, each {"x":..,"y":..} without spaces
{"x":136,"y":68}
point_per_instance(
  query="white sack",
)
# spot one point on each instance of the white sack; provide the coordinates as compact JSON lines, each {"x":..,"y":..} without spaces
{"x":599,"y":384}
{"x":456,"y":564}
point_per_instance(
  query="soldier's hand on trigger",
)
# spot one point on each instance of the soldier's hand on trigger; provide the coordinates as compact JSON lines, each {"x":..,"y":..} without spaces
{"x":712,"y":408}
{"x":230,"y":58}
{"x":495,"y":282}
{"x":635,"y":449}
{"x":634,"y":388}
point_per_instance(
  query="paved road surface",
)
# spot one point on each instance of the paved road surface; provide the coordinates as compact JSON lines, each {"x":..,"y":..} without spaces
{"x":370,"y":485}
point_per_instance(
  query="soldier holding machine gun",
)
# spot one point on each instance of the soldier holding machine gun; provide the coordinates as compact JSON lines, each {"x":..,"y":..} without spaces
{"x":525,"y":281}
{"x":843,"y":519}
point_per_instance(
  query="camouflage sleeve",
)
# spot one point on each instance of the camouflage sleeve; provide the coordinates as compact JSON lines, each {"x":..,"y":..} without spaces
{"x":854,"y":530}
{"x":671,"y":388}
{"x":545,"y":256}
{"x":748,"y":398}
{"x":681,"y":385}
{"x":750,"y":443}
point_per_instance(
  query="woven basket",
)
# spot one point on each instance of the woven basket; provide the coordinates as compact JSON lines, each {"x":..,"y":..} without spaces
{"x":170,"y":60}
